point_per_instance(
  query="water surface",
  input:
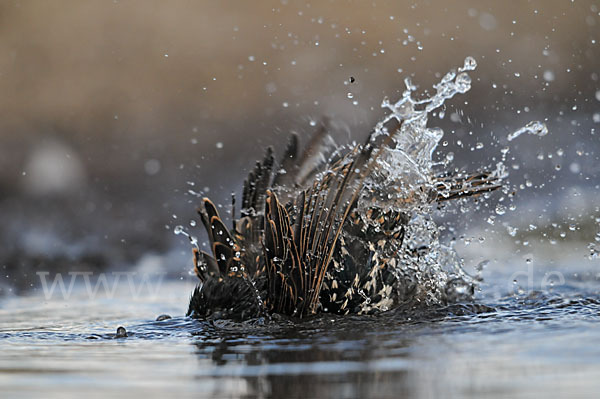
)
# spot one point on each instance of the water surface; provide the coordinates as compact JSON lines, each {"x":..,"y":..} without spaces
{"x":505,"y":344}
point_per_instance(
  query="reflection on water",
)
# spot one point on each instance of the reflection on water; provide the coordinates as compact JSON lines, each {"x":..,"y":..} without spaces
{"x":537,"y":343}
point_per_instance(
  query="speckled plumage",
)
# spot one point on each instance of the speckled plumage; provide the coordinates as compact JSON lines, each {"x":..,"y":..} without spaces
{"x":301,"y":245}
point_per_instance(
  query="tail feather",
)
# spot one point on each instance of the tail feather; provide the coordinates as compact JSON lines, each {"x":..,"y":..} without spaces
{"x":298,"y":249}
{"x":205,"y":266}
{"x":207,"y":211}
{"x":226,"y":251}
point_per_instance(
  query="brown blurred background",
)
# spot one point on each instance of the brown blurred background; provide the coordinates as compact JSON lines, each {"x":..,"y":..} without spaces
{"x":110,"y":111}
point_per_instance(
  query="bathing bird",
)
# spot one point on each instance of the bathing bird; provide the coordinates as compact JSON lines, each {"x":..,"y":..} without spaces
{"x":321,"y":230}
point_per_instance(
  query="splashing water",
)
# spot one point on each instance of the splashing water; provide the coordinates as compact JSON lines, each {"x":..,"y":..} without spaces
{"x":536,"y":128}
{"x":402,"y":182}
{"x":415,"y":143}
{"x":181,"y":230}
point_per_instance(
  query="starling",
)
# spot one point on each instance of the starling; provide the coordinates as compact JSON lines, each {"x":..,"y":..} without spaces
{"x":320,"y":231}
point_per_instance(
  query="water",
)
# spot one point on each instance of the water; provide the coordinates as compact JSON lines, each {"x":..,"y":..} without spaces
{"x":541,"y":343}
{"x":536,"y":128}
{"x":432,"y":267}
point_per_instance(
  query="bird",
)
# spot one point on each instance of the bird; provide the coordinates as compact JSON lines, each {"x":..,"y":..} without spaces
{"x":320,"y":231}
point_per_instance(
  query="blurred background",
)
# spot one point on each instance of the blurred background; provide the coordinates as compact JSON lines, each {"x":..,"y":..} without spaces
{"x":111,"y":111}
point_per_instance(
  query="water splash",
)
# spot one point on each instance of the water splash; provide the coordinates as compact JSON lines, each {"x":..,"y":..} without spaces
{"x":427,"y":271}
{"x":469,"y":65}
{"x":536,"y":128}
{"x":415,"y":144}
{"x":180,"y":230}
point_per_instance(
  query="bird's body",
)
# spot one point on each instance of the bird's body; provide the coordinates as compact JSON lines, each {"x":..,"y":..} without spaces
{"x":342,"y":231}
{"x":320,"y":232}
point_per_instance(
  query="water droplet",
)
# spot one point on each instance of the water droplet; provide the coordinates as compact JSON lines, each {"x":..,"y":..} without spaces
{"x":536,"y":128}
{"x":469,"y":65}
